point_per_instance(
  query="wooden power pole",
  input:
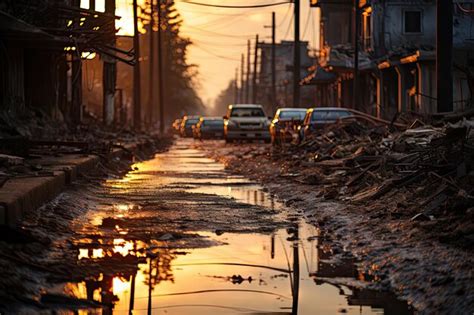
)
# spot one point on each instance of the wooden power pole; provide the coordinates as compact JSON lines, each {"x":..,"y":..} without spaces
{"x":296,"y":56}
{"x":242,"y":86}
{"x":274,"y":105}
{"x":355,"y":86}
{"x":236,"y":86}
{"x":161,"y":91}
{"x":109,"y":72}
{"x":151,"y":70}
{"x":254,"y":77}
{"x":247,"y":79}
{"x":136,"y":71}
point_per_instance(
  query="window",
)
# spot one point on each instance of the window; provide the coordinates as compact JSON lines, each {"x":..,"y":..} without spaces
{"x":213,"y":122}
{"x":329,"y":115}
{"x":412,"y":21}
{"x":247,"y":112}
{"x":293,"y":114}
{"x":191,"y":121}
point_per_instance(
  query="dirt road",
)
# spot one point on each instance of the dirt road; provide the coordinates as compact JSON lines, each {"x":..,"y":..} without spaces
{"x":181,"y":235}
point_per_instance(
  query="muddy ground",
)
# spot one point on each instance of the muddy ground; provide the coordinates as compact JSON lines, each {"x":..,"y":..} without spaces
{"x":179,"y":233}
{"x":395,"y":253}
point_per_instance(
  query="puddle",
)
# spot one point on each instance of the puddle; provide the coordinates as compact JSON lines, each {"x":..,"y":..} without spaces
{"x":288,"y":269}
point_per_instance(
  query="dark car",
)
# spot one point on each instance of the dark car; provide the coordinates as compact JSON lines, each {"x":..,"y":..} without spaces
{"x":187,"y":125}
{"x":285,"y":124}
{"x":209,"y":128}
{"x":320,"y":117}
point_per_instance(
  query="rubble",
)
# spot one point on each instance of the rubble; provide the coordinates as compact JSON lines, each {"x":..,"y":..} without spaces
{"x":428,"y":169}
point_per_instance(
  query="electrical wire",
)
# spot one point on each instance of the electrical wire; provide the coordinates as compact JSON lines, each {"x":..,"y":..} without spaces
{"x":215,"y":55}
{"x":313,"y":30}
{"x":218,"y":44}
{"x":308,"y":17}
{"x":225,"y":20}
{"x":289,"y":27}
{"x":285,"y":17}
{"x":194,"y":28}
{"x":235,"y":6}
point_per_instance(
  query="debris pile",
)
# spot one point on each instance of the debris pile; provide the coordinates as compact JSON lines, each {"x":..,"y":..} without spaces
{"x":422,"y":174}
{"x":30,"y":147}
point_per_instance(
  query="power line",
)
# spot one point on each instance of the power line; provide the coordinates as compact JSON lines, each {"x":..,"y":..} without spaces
{"x":215,"y":55}
{"x":235,"y":6}
{"x":307,"y":22}
{"x":289,"y":27}
{"x":285,"y":17}
{"x":217,"y":43}
{"x":194,"y":28}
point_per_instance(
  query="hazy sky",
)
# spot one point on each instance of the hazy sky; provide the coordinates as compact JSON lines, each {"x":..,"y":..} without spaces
{"x":220,"y":35}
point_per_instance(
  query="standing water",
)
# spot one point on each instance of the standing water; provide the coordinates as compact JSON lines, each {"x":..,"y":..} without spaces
{"x":179,"y":235}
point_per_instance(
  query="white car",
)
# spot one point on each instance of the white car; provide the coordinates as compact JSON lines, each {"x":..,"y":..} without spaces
{"x":246,"y":122}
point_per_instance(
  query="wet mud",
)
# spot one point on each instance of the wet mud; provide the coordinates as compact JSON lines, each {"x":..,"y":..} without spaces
{"x":181,"y":235}
{"x":394,"y":253}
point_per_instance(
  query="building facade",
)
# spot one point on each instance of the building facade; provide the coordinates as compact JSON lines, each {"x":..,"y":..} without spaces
{"x":397,"y":58}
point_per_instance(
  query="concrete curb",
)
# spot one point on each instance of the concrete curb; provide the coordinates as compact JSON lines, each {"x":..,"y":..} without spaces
{"x":21,"y":195}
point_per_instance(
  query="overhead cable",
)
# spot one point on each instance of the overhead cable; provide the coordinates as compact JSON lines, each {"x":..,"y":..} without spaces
{"x":236,"y":6}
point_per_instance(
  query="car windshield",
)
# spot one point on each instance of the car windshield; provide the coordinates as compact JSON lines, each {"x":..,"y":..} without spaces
{"x":214,"y":122}
{"x":191,"y":121}
{"x":292,"y":114}
{"x":329,"y":114}
{"x":247,"y":112}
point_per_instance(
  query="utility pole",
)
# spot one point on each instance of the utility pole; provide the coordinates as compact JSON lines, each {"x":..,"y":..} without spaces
{"x":136,"y":71}
{"x":236,"y":87}
{"x":355,"y":87}
{"x":274,"y":105}
{"x":151,"y":112}
{"x":109,"y":72}
{"x":242,"y":86}
{"x":444,"y":55}
{"x":254,"y":77}
{"x":247,"y":80}
{"x":296,"y":56}
{"x":161,"y":91}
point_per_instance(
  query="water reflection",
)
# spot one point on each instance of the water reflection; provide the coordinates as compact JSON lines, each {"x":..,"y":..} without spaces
{"x":288,"y":271}
{"x":283,"y":273}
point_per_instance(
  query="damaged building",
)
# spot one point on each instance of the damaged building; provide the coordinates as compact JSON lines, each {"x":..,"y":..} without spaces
{"x":43,"y":48}
{"x":397,"y":57}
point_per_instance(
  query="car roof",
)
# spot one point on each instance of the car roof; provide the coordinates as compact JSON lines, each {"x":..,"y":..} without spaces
{"x":192,"y":117}
{"x":284,"y":109}
{"x":212,"y":118}
{"x":245,"y":106}
{"x":330,"y":108}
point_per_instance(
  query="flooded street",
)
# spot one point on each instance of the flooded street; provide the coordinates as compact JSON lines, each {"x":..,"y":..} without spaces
{"x":179,"y":235}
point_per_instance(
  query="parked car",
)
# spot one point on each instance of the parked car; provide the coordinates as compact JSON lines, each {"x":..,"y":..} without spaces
{"x":284,"y":126}
{"x":187,"y":125}
{"x":209,"y":128}
{"x":246,"y":122}
{"x":320,"y":117}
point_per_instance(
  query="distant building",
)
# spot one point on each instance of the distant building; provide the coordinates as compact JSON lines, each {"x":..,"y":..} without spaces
{"x":43,"y":46}
{"x":284,"y":75}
